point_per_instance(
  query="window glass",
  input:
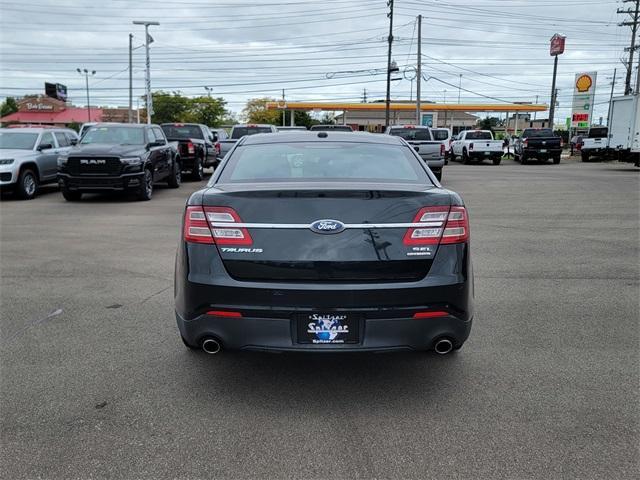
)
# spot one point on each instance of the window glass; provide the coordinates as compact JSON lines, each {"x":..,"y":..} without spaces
{"x":114,"y":135}
{"x":47,"y":138}
{"x":478,"y":135}
{"x":239,"y":132}
{"x":158,"y":134}
{"x":320,"y":161}
{"x":63,"y":141}
{"x":18,"y":140}
{"x":180,"y":131}
{"x":411,"y":133}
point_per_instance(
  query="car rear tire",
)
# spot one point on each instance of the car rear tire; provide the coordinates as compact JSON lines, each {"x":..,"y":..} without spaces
{"x":452,"y":156}
{"x":175,"y":177}
{"x":585,"y":157}
{"x":496,"y":161}
{"x":438,"y":174}
{"x":70,"y":196}
{"x":146,"y":189}
{"x":523,"y":159}
{"x":556,"y":160}
{"x":27,"y":184}
{"x":198,"y":170}
{"x":465,"y":157}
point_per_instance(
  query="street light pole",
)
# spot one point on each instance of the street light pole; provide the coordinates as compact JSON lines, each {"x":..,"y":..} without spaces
{"x":86,"y":79}
{"x":390,"y":39}
{"x":147,"y":41}
{"x":130,"y":78}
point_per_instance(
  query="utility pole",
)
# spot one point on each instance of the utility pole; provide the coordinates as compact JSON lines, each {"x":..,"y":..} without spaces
{"x":390,"y":40}
{"x":86,"y":79}
{"x":130,"y":78}
{"x":419,"y":73}
{"x":147,"y":41}
{"x":459,"y":87}
{"x":613,"y":85}
{"x":283,"y":110}
{"x":632,"y":47}
{"x":535,"y":113}
{"x":364,"y":95}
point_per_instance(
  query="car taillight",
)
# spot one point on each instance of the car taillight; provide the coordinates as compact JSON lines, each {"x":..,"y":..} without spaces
{"x":217,"y":147}
{"x":214,"y":225}
{"x":561,"y":143}
{"x":525,"y":144}
{"x":442,"y":149}
{"x":190,"y":148}
{"x":471,"y":146}
{"x":442,"y":225}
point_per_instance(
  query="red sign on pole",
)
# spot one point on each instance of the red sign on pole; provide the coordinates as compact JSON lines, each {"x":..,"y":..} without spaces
{"x":557,"y":45}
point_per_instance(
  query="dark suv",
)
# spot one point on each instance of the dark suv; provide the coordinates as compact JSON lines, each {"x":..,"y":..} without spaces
{"x":119,"y":157}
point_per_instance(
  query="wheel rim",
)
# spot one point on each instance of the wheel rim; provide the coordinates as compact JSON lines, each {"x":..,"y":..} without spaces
{"x":148,"y":183}
{"x":29,"y":184}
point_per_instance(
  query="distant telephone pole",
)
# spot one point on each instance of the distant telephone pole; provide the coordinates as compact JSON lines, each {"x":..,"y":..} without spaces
{"x":633,"y":23}
{"x":390,"y":40}
{"x":283,"y":110}
{"x":130,"y":78}
{"x":419,"y":72}
{"x":613,"y":86}
{"x":364,"y":95}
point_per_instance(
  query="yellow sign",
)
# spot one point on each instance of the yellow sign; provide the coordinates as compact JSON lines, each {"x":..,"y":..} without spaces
{"x":583,"y":83}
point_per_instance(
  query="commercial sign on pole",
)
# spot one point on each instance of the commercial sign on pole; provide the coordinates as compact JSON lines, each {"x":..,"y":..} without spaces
{"x":583,"y":99}
{"x":557,"y":45}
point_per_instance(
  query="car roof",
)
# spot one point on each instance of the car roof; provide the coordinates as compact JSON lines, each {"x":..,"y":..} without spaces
{"x":36,"y":129}
{"x":127,"y":125}
{"x":309,"y":136}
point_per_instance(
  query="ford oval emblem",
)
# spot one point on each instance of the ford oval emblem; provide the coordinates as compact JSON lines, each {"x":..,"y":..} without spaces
{"x":327,"y":226}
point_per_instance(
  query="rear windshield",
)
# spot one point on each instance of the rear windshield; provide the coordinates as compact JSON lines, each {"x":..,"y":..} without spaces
{"x":183,"y":132}
{"x":479,"y":136}
{"x":320,"y":161}
{"x":440,"y":134}
{"x":239,"y":132}
{"x":114,"y":136}
{"x":331,"y":128}
{"x":411,"y":133}
{"x":538,"y":132}
{"x":598,"y":132}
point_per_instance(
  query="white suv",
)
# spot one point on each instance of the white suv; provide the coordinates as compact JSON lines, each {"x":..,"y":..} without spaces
{"x":29,"y":157}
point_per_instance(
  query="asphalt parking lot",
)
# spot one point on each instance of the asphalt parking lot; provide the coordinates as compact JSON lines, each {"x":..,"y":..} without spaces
{"x":97,"y":384}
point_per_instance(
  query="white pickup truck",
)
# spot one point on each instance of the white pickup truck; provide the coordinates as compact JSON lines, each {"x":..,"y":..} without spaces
{"x":476,"y":145}
{"x":595,"y":143}
{"x":421,"y":139}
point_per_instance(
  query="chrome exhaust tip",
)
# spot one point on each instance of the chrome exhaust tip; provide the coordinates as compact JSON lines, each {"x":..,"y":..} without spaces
{"x":443,"y":346}
{"x":211,"y":346}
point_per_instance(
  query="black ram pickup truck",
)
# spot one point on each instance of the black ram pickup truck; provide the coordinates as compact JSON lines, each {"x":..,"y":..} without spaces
{"x":196,"y":145}
{"x":118,"y":157}
{"x":539,"y":143}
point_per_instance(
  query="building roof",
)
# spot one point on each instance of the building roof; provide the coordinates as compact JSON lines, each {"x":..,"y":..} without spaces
{"x":68,"y":115}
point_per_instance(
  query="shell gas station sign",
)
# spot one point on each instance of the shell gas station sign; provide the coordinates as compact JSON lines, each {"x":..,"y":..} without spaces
{"x":584,"y":90}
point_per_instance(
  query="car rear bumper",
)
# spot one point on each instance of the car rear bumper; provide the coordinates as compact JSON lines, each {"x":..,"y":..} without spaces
{"x":480,"y":154}
{"x":538,"y":153}
{"x":89,"y":184}
{"x":267,"y":312}
{"x":279,"y":334}
{"x":434,"y":164}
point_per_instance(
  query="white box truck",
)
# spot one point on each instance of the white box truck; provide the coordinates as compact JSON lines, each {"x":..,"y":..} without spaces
{"x":624,"y":128}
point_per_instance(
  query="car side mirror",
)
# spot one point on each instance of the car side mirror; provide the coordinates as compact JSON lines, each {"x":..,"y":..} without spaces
{"x":416,"y":148}
{"x":44,"y":146}
{"x":73,"y":142}
{"x":153,"y":144}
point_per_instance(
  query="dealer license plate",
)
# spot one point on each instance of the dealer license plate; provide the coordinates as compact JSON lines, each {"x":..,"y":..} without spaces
{"x":328,"y":328}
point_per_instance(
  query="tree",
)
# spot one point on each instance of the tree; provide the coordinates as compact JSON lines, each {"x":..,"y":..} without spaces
{"x":488,"y":123}
{"x":206,"y":110}
{"x":8,"y":107}
{"x":169,"y":107}
{"x":256,"y":111}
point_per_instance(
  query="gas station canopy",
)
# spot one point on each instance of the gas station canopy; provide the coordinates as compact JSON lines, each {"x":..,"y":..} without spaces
{"x":425,"y":107}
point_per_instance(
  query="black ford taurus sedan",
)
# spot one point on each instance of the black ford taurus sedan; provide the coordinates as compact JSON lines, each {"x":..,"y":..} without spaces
{"x":329,"y":241}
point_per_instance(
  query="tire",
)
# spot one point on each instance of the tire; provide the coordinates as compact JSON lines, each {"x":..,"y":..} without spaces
{"x":497,"y":160}
{"x":70,"y":196}
{"x":452,"y":156}
{"x":465,"y":158}
{"x":145,"y":192}
{"x":523,"y":159}
{"x":556,"y":160}
{"x":438,"y":174}
{"x":27,"y":185}
{"x":175,"y":177}
{"x":585,"y":156}
{"x":198,"y":170}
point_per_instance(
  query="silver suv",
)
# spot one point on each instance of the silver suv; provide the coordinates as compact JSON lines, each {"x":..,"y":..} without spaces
{"x":29,"y":157}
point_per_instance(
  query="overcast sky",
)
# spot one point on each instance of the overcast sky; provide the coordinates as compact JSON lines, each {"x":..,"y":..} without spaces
{"x":316,"y":50}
